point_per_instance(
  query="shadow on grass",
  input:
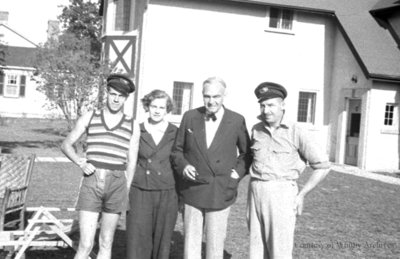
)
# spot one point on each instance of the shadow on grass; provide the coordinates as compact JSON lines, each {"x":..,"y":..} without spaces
{"x":118,"y":251}
{"x":9,"y":146}
{"x":177,"y":247}
{"x":53,"y":131}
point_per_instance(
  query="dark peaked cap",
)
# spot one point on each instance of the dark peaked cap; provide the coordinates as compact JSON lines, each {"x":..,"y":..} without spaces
{"x":121,"y":83}
{"x":268,"y":90}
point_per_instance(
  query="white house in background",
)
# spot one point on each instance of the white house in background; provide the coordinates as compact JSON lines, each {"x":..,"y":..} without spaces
{"x":18,"y":94}
{"x":339,"y":60}
{"x":21,"y":30}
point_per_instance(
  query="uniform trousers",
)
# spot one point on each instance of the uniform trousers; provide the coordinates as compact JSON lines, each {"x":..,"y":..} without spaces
{"x":214,"y":222}
{"x":150,"y":223}
{"x":272,"y":218}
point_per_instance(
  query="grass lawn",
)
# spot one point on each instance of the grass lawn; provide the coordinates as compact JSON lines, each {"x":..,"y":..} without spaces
{"x":40,"y":136}
{"x":345,"y":217}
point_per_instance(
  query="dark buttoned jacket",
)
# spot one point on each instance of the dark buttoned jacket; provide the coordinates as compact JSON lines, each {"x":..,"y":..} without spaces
{"x":230,"y":149}
{"x":154,"y":170}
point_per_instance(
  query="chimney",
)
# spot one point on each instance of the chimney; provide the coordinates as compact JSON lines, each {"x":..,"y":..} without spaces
{"x":3,"y":17}
{"x":53,"y":29}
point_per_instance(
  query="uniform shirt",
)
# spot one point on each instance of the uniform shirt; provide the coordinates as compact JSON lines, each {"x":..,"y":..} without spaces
{"x":212,"y":126}
{"x":282,"y":154}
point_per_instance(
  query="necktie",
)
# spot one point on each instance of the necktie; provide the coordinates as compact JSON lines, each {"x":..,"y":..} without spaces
{"x":210,"y":116}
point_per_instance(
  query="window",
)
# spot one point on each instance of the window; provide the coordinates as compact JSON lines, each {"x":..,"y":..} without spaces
{"x":12,"y":85}
{"x":182,"y":97}
{"x":306,"y":109}
{"x":391,"y":114}
{"x":122,"y":15}
{"x":280,"y":19}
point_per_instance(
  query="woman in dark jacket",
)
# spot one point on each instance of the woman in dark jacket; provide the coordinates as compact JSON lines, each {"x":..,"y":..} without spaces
{"x":153,"y":198}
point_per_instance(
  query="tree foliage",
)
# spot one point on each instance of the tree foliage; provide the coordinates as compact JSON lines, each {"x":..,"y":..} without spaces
{"x":82,"y":19}
{"x":68,"y":68}
{"x":3,"y":51}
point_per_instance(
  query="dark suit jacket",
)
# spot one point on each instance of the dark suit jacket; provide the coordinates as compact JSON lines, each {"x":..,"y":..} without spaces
{"x":154,"y":171}
{"x":229,"y":150}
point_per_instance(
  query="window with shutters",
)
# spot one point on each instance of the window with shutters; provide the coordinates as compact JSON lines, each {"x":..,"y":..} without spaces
{"x":12,"y":85}
{"x":182,"y":97}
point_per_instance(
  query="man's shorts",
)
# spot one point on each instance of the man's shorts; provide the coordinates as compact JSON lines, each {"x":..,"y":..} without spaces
{"x":103,"y":191}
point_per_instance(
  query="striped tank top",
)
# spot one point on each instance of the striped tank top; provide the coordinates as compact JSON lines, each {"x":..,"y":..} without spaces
{"x":108,"y":148}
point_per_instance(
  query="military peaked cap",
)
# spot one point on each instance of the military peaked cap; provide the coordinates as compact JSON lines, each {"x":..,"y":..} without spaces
{"x":268,"y":90}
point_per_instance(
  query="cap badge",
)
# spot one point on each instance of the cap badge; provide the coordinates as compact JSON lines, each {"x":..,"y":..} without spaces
{"x":264,"y":90}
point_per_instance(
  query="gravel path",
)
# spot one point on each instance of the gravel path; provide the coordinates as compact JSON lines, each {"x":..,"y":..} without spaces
{"x":362,"y":173}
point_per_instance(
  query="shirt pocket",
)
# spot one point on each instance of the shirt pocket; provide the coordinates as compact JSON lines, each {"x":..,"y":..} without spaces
{"x":285,"y":157}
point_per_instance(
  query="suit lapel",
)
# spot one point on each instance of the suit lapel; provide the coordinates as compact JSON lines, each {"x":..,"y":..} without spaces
{"x":223,"y":127}
{"x":146,"y":136}
{"x":199,"y":131}
{"x":165,"y":138}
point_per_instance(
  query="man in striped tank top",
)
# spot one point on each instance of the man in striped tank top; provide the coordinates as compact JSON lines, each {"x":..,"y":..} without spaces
{"x":112,"y":146}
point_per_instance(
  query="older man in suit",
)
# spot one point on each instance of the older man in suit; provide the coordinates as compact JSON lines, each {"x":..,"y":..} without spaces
{"x":211,"y":154}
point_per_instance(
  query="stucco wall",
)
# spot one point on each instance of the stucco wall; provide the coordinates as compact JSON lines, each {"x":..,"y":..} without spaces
{"x":192,"y":42}
{"x":345,"y":67}
{"x":383,"y":142}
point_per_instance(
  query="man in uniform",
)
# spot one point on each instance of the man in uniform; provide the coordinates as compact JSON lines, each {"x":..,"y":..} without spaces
{"x":280,"y":149}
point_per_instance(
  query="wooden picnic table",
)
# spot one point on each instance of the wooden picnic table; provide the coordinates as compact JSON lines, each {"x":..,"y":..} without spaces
{"x":43,"y":230}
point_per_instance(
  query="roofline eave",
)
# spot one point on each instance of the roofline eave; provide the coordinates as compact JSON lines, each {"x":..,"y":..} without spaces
{"x":384,"y":78}
{"x":294,"y":7}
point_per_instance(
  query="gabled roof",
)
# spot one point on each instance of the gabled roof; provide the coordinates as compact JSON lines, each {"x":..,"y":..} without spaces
{"x":374,"y":48}
{"x":19,"y":35}
{"x":19,"y":56}
{"x":383,"y":5}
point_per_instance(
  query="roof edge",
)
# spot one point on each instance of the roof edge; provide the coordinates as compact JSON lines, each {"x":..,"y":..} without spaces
{"x":17,"y":68}
{"x":384,"y":78}
{"x":36,"y":45}
{"x":294,"y":7}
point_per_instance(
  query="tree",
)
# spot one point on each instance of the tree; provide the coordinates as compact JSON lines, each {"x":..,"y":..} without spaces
{"x":68,"y":75}
{"x":68,"y":67}
{"x":82,"y":19}
{"x":3,"y":51}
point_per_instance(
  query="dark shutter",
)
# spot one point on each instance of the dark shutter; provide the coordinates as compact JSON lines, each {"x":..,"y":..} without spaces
{"x":22,"y":86}
{"x":273,"y":17}
{"x":1,"y":84}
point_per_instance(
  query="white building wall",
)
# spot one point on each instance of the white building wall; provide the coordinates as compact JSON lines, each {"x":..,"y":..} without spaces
{"x":190,"y":43}
{"x":345,"y":67}
{"x":384,"y":142}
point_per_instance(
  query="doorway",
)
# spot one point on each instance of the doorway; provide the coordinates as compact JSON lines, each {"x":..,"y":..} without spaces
{"x":353,"y":132}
